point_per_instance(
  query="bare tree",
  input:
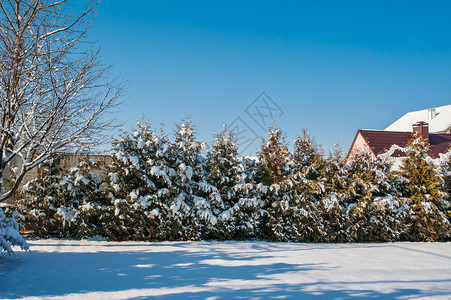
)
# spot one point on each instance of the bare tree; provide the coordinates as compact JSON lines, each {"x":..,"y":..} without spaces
{"x":54,"y":90}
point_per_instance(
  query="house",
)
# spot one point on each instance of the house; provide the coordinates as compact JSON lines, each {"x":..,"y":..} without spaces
{"x":439,"y":120}
{"x":394,"y":142}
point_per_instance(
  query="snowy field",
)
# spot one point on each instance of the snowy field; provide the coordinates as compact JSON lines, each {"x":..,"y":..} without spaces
{"x":69,"y":269}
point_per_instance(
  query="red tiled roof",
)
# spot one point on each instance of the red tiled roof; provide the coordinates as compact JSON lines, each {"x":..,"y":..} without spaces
{"x":440,"y":143}
{"x":380,"y":141}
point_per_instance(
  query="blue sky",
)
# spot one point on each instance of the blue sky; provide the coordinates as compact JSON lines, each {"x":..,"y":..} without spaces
{"x":332,"y":66}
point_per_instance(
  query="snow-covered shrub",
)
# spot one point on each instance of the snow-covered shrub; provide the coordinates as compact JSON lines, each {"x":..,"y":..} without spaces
{"x":158,"y":189}
{"x":235,"y":203}
{"x":190,"y":212}
{"x":242,"y":216}
{"x":9,"y":233}
{"x":367,"y":179}
{"x":62,"y":203}
{"x":86,"y":183}
{"x":223,"y":172}
{"x":275,"y":186}
{"x":308,"y":157}
{"x":325,"y":197}
{"x":42,"y":202}
{"x":425,"y":194}
{"x":141,"y":187}
{"x":306,"y":186}
{"x":444,"y":164}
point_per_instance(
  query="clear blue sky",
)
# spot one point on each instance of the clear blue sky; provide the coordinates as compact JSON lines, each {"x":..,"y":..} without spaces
{"x":332,"y":67}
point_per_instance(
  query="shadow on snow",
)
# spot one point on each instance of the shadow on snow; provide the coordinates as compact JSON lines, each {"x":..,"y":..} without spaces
{"x":210,"y":273}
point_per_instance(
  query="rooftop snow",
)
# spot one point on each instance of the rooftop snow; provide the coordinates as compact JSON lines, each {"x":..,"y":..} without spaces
{"x":439,"y":122}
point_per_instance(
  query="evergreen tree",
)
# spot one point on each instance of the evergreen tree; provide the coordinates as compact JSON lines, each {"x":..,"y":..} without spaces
{"x":274,"y":157}
{"x":309,"y":187}
{"x":423,"y":191}
{"x":88,"y":184}
{"x":156,"y":189}
{"x":9,"y":233}
{"x":141,"y":187}
{"x":64,"y":203}
{"x":224,"y":171}
{"x":330,"y":220}
{"x":367,"y":179}
{"x":190,"y":212}
{"x":45,"y":205}
{"x":308,"y":156}
{"x":445,"y":174}
{"x":245,"y":216}
{"x":274,"y":169}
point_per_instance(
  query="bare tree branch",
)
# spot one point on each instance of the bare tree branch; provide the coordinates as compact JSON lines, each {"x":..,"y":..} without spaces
{"x":54,"y":90}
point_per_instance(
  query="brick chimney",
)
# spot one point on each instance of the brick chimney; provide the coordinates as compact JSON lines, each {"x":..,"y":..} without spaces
{"x":422,"y":128}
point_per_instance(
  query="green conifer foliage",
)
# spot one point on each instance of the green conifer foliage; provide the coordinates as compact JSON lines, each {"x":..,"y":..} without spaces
{"x":331,"y":225}
{"x":89,"y":185}
{"x":224,"y":171}
{"x":9,"y":233}
{"x":63,"y":203}
{"x":141,"y":188}
{"x":368,"y":178}
{"x":274,"y":164}
{"x":190,"y":211}
{"x":42,"y":202}
{"x":243,"y":220}
{"x":273,"y":156}
{"x":423,"y":191}
{"x":158,"y":189}
{"x":445,"y":173}
{"x":308,"y":156}
{"x":308,"y":178}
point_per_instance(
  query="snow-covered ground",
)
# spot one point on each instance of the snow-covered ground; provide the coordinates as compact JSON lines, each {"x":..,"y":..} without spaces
{"x":217,"y":270}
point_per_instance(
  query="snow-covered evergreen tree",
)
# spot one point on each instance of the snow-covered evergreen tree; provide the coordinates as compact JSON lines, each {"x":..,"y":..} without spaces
{"x":308,"y":156}
{"x":141,"y":188}
{"x":87,"y":183}
{"x":156,"y":189}
{"x":309,"y":187}
{"x":245,"y":217}
{"x":190,"y":211}
{"x":274,"y":186}
{"x":45,"y":205}
{"x":423,"y":189}
{"x":63,"y":203}
{"x":274,"y":157}
{"x":224,"y":171}
{"x":9,"y":233}
{"x":445,"y":173}
{"x":367,"y":179}
{"x":330,"y":223}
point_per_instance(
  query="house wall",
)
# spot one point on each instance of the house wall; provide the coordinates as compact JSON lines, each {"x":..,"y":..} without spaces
{"x":68,"y":161}
{"x":358,"y":145}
